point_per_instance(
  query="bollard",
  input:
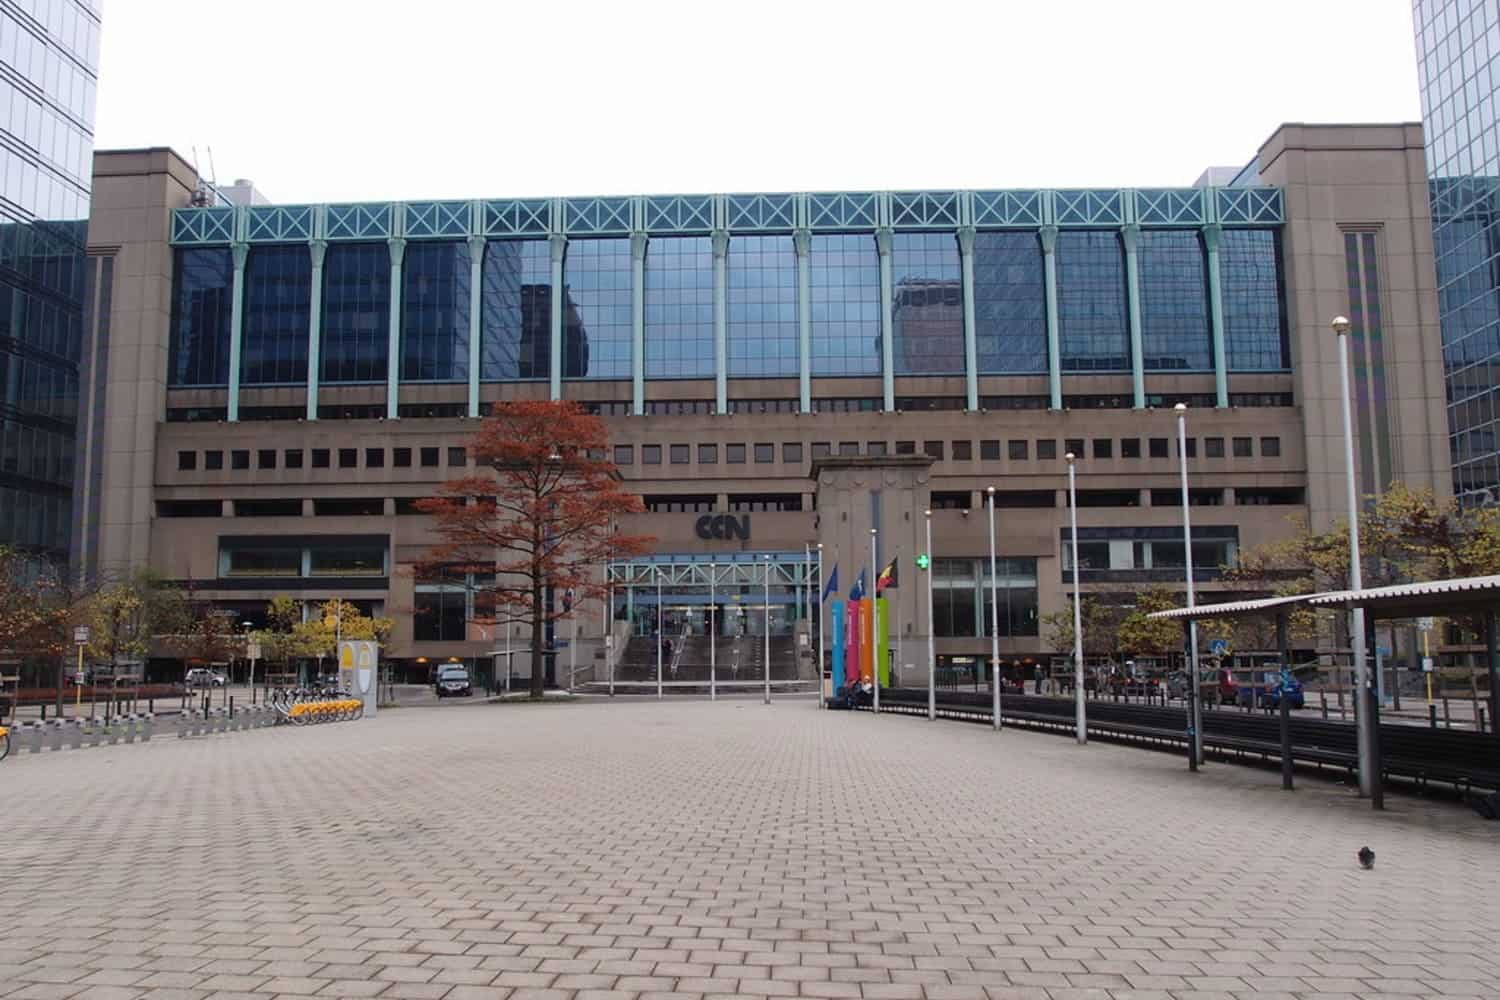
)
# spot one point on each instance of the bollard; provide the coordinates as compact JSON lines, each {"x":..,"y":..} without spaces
{"x":1447,"y":715}
{"x":75,"y":734}
{"x":1323,"y":697}
{"x":149,"y":724}
{"x":129,"y":721}
{"x":96,"y":732}
{"x":182,"y":725}
{"x":44,"y":711}
{"x":55,"y":734}
{"x":1481,"y":727}
{"x":33,"y":733}
{"x":112,"y":730}
{"x":1432,"y":716}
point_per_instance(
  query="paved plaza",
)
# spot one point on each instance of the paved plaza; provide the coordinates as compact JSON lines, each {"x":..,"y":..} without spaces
{"x":636,"y":849}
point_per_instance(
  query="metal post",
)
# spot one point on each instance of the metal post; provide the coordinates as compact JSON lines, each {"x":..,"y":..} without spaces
{"x":1284,"y":647}
{"x":884,"y":239}
{"x":393,"y":345}
{"x":1195,"y":704}
{"x":820,"y":624}
{"x":808,"y":606}
{"x":996,"y":722}
{"x":971,"y":340}
{"x":1492,"y":654}
{"x":659,"y":630}
{"x":931,"y":644}
{"x":476,"y":316}
{"x":874,"y":622}
{"x":241,"y":252}
{"x":509,"y":658}
{"x":1081,"y":722}
{"x":766,"y":646}
{"x":317,"y":248}
{"x":572,"y":651}
{"x":609,"y":624}
{"x":1372,"y":705}
{"x":1048,"y":235}
{"x":713,"y":634}
{"x":1357,"y":615}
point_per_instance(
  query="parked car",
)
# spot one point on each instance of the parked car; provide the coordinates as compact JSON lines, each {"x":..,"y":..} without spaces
{"x":1267,"y":690}
{"x":202,"y":677}
{"x":453,"y":682}
{"x":1216,"y":687}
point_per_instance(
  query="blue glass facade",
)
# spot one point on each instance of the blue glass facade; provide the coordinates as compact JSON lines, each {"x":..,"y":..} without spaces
{"x":202,"y":301}
{"x":356,"y":313}
{"x":597,"y":328}
{"x":762,"y":307}
{"x":927,"y":304}
{"x":435,"y":312}
{"x":49,"y":55}
{"x":680,"y":308}
{"x":278,"y":298}
{"x":1010,"y":303}
{"x":1091,"y":302}
{"x":515,"y":310}
{"x":1458,"y":66}
{"x":1175,"y":332}
{"x":845,"y":290}
{"x":1255,"y":326}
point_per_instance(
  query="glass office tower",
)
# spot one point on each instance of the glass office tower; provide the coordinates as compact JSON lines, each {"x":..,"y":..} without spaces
{"x":49,"y":56}
{"x":1458,"y":64}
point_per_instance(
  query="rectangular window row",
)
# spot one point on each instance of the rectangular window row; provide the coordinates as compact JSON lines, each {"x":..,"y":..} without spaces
{"x":322,"y":458}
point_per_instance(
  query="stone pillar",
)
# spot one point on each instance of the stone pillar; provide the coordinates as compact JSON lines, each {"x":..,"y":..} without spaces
{"x":721,"y":321}
{"x":315,"y":326}
{"x":241,"y":253}
{"x":1054,"y":337}
{"x":802,"y":241}
{"x":971,"y":336}
{"x":559,"y":294}
{"x":638,"y":243}
{"x":883,"y":239}
{"x":393,"y":334}
{"x":476,"y":327}
{"x":1216,"y":315}
{"x":1130,"y":236}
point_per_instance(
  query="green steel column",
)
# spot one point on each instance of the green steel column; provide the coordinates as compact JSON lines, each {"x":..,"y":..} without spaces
{"x":315,"y":326}
{"x":236,"y":328}
{"x":1054,"y":338}
{"x":971,"y":337}
{"x":393,"y":332}
{"x":802,"y":241}
{"x":559,"y":293}
{"x":1130,"y":236}
{"x":1216,"y":315}
{"x":476,"y":286}
{"x":721,"y":321}
{"x":883,"y":239}
{"x":638,"y":323}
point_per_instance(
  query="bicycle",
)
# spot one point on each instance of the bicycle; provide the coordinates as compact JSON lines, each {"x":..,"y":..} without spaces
{"x":4,"y":742}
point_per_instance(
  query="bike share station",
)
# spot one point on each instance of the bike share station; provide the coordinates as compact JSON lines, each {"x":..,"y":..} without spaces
{"x":359,"y":671}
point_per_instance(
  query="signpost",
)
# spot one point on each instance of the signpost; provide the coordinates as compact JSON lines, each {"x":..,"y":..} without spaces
{"x":80,"y":639}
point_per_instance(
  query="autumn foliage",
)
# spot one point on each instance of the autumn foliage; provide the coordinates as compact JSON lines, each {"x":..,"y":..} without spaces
{"x":537,"y":513}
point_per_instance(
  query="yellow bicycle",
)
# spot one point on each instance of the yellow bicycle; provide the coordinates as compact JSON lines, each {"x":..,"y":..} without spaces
{"x":4,"y":742}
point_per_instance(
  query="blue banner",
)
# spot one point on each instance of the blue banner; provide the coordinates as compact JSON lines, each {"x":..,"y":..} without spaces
{"x":838,"y":644}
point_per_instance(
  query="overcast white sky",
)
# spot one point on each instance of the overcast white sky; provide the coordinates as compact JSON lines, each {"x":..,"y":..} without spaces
{"x":340,"y":100}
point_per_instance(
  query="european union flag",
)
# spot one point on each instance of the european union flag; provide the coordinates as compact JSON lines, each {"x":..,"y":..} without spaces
{"x":857,"y":592}
{"x":832,"y":586}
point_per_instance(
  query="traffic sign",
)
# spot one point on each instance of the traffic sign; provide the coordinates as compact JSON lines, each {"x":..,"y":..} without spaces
{"x":1426,"y":624}
{"x":81,"y":635}
{"x":1218,"y":647}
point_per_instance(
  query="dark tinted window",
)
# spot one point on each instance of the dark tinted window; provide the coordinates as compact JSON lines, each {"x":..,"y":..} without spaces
{"x":1242,"y":447}
{"x":989,"y":451}
{"x":1046,"y":448}
{"x":708,"y":454}
{"x":401,"y":457}
{"x":734,"y":454}
{"x":516,"y":313}
{"x":1159,"y":448}
{"x":624,"y":454}
{"x":187,"y":461}
{"x":927,"y":304}
{"x":762,"y":307}
{"x":679,"y":454}
{"x":374,"y":458}
{"x":1174,"y":301}
{"x":765,"y":453}
{"x":1130,"y":447}
{"x":1018,"y":452}
{"x":1104,"y":447}
{"x":435,"y":311}
{"x":213,"y":460}
{"x":1213,"y":447}
{"x":239,"y":459}
{"x":679,"y":307}
{"x":293,"y":458}
{"x":650,"y":454}
{"x":791,"y":451}
{"x":265,"y":458}
{"x":1270,"y":447}
{"x":458,"y":457}
{"x":201,"y":302}
{"x":1091,"y":301}
{"x":1010,"y":308}
{"x":963,"y":451}
{"x":356,"y":312}
{"x":278,"y":298}
{"x":320,"y":458}
{"x":429,"y":457}
{"x":348,"y":458}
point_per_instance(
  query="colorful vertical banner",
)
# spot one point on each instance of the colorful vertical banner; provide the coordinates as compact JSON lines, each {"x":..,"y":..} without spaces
{"x":856,"y":637}
{"x":838,"y":644}
{"x":882,"y":640}
{"x":867,"y":641}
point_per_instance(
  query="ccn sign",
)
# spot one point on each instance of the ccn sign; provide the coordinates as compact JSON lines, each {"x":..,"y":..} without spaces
{"x":723,"y":527}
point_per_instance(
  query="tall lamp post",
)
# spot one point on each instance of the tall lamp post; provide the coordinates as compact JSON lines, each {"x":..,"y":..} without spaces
{"x":931,"y":643}
{"x":874,"y":621}
{"x":1195,"y":699}
{"x":767,"y":644}
{"x":994,"y":619}
{"x":1080,"y":721}
{"x":1362,"y":717}
{"x":818,"y":594}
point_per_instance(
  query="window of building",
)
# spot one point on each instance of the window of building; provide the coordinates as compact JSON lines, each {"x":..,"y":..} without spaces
{"x":213,"y":460}
{"x":765,"y":453}
{"x":435,"y":278}
{"x":239,"y":458}
{"x":429,"y":458}
{"x":374,"y":458}
{"x":734,"y":454}
{"x":1010,"y":307}
{"x":1242,"y":447}
{"x":1130,"y":447}
{"x":268,"y":508}
{"x":1046,"y":449}
{"x":407,"y":507}
{"x":401,"y":458}
{"x":963,"y":451}
{"x":962,"y":591}
{"x":1213,"y":447}
{"x":1250,"y":274}
{"x":459,"y":457}
{"x":261,"y":560}
{"x":347,"y":560}
{"x":933,"y":449}
{"x":989,"y":450}
{"x":650,"y":454}
{"x":1196,"y":498}
{"x":708,"y":454}
{"x":320,"y":458}
{"x":292,"y":458}
{"x":598,"y":329}
{"x":1269,"y":496}
{"x":927,"y":306}
{"x":1174,"y":301}
{"x":875,"y":449}
{"x":848,"y":448}
{"x":1074,"y":445}
{"x":439,"y":615}
{"x":791,"y":452}
{"x":845,"y":277}
{"x":356,"y":312}
{"x":265,"y":458}
{"x":1018,"y":451}
{"x":1025,"y":498}
{"x":189,"y":508}
{"x":1104,"y":448}
{"x":1158,"y":447}
{"x":1192,"y":448}
{"x":1091,"y":302}
{"x":679,"y":307}
{"x":203,"y":293}
{"x":759,"y":503}
{"x":277,"y":303}
{"x":680,"y":503}
{"x":516,"y":306}
{"x":761,"y":303}
{"x":1109,"y":498}
{"x":348,"y":458}
{"x":679,"y":454}
{"x":187,"y":461}
{"x":906,"y":447}
{"x":624,"y":454}
{"x":349,"y":506}
{"x":821,"y":449}
{"x":1270,"y":447}
{"x":952,"y":500}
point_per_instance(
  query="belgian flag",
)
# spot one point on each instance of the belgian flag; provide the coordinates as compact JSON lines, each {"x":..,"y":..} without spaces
{"x":887,"y":577}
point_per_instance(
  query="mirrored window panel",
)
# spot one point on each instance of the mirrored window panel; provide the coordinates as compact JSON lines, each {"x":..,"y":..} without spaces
{"x":762,"y":307}
{"x":680,"y":307}
{"x":1250,"y":276}
{"x":927,"y":304}
{"x":356,"y":312}
{"x":516,"y":310}
{"x":845,"y":291}
{"x":1175,"y":333}
{"x":278,"y":297}
{"x":596,"y":310}
{"x":202,"y":300}
{"x":1091,"y":303}
{"x":1010,"y":303}
{"x":435,"y":312}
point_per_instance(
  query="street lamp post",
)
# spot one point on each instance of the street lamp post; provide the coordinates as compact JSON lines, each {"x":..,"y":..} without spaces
{"x":660,"y":630}
{"x":994,"y":620}
{"x":713,"y":633}
{"x":931,"y":644}
{"x":874,"y":621}
{"x":1081,"y":721}
{"x":1195,"y":699}
{"x":1362,"y":718}
{"x":767,"y":644}
{"x":818,"y":594}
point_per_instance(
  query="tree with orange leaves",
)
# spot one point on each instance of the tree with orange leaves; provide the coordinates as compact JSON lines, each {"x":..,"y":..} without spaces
{"x":537,"y":514}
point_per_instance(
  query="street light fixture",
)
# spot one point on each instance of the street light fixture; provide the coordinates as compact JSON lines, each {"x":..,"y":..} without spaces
{"x":1362,"y":717}
{"x":1195,"y":699}
{"x":994,"y":619}
{"x":1080,"y":721}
